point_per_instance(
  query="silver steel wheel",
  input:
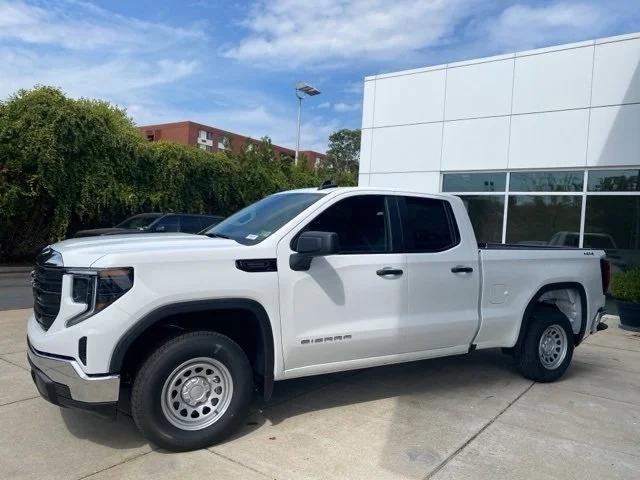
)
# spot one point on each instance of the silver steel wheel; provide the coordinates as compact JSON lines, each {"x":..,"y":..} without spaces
{"x":197,"y":393}
{"x":553,"y":346}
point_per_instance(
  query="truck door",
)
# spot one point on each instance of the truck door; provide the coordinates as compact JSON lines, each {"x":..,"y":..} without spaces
{"x":350,"y":305}
{"x":443,"y":275}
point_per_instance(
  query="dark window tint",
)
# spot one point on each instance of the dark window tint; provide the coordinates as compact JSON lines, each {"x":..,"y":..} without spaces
{"x":190,"y":224}
{"x":543,"y":219}
{"x":546,"y":181}
{"x":361,"y":224}
{"x":170,"y":223}
{"x":612,"y":223}
{"x":616,"y":219}
{"x":428,"y":225}
{"x":486,"y":213}
{"x":614,"y":181}
{"x":474,"y":182}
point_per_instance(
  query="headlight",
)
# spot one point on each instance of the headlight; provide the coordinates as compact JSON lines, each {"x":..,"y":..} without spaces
{"x":99,"y":289}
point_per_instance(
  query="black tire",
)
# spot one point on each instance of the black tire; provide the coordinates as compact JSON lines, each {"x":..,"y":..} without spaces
{"x":527,"y":356}
{"x":146,"y":394}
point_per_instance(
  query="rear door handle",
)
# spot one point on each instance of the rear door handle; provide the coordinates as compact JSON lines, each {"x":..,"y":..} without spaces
{"x":460,"y":269}
{"x":388,"y":271}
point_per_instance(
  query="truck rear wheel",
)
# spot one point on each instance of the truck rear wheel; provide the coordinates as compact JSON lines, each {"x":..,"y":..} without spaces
{"x":192,"y":391}
{"x":547,"y":347}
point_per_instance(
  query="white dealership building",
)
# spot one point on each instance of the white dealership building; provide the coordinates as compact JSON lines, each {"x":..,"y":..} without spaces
{"x":542,"y":145}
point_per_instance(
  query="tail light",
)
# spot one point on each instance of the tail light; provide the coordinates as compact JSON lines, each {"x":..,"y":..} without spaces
{"x":605,"y":271}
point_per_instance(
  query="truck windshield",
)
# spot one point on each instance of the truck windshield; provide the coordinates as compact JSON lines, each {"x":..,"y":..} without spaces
{"x":253,"y":224}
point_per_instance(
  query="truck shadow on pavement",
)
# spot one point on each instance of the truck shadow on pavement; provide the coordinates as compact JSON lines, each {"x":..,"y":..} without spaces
{"x":463,"y":380}
{"x":120,"y":434}
{"x":364,"y":392}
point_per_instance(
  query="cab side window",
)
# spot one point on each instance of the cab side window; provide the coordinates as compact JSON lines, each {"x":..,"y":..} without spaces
{"x":361,"y":222}
{"x":428,"y":225}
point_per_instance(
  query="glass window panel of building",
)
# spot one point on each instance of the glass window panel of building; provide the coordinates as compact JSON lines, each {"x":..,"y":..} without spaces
{"x":613,"y":224}
{"x":570,"y":181}
{"x":486,"y":213}
{"x":614,"y":181}
{"x":544,"y":220}
{"x":474,"y":182}
{"x":546,"y":217}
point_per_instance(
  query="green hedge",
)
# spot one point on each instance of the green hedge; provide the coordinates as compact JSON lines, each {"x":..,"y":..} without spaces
{"x":67,"y":164}
{"x":626,"y":285}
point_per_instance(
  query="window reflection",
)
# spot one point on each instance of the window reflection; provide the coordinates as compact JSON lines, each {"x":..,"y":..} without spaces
{"x":543,"y":219}
{"x":546,"y":181}
{"x":613,"y":223}
{"x":614,"y":181}
{"x":486,"y":213}
{"x":474,"y":182}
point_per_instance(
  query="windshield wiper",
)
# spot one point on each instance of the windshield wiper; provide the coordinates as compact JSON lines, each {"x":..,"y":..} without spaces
{"x":216,"y":235}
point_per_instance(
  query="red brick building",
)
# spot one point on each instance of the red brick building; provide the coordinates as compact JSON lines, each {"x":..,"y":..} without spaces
{"x":213,"y":139}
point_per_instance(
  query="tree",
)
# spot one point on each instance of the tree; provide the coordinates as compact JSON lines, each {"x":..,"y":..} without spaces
{"x":69,"y":164}
{"x":344,"y":150}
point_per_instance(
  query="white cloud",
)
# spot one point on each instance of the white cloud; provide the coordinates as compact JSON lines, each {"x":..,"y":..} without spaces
{"x":90,"y":52}
{"x":324,"y":105}
{"x":521,"y":27}
{"x":354,"y":88}
{"x":81,"y":26}
{"x":116,"y":79}
{"x":346,"y":107}
{"x":340,"y":33}
{"x":282,"y":34}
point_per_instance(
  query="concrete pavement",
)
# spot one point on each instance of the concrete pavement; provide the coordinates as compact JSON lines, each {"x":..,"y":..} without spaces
{"x":467,"y":417}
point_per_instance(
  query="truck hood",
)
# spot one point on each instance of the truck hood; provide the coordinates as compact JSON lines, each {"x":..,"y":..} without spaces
{"x":83,"y":252}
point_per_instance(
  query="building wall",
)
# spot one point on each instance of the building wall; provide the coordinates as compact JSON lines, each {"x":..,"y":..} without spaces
{"x":575,"y":105}
{"x":188,"y":133}
{"x":542,"y":146}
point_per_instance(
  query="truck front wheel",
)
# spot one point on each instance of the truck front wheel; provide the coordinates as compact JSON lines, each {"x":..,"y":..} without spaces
{"x":547,"y":347}
{"x":192,"y":391}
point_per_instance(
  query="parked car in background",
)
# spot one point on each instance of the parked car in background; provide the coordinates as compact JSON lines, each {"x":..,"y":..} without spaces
{"x":156,"y":223}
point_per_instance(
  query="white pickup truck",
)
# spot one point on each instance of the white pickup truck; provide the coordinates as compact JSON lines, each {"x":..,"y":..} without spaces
{"x":303,"y":282}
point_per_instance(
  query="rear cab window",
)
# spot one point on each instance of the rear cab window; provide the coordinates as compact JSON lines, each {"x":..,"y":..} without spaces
{"x":428,"y":225}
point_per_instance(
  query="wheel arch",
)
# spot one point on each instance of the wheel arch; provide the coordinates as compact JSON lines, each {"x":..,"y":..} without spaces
{"x":166,"y":312}
{"x":535,"y":300}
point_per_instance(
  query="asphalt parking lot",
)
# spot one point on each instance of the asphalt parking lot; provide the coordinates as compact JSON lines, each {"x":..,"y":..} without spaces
{"x":468,"y":417}
{"x":15,"y":288}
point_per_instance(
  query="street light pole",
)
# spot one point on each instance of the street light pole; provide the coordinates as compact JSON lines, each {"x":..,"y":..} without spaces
{"x":301,"y":88}
{"x":295,"y":162}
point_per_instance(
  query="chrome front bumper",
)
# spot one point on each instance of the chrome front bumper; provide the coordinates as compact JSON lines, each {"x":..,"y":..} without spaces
{"x":58,"y":373}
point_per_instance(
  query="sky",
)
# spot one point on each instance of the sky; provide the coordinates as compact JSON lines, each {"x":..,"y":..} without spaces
{"x":234,"y":65}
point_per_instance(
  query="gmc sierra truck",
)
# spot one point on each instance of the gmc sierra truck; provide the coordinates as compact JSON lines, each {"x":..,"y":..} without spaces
{"x":303,"y":282}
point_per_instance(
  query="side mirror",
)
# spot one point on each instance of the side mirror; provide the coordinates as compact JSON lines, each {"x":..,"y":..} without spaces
{"x":313,"y":244}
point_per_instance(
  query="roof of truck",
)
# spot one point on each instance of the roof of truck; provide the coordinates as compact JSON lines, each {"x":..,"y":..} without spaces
{"x":326,"y":191}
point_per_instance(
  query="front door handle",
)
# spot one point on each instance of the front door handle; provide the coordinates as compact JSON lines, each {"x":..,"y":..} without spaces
{"x":460,"y":269}
{"x":388,"y":271}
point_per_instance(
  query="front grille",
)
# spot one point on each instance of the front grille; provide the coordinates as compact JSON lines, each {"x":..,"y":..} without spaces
{"x":47,"y":288}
